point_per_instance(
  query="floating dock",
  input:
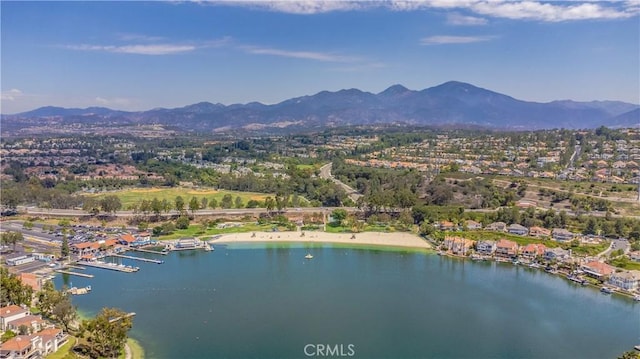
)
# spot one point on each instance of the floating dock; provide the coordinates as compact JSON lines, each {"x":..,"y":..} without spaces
{"x":111,"y":266}
{"x":138,"y":258}
{"x":164,"y":253}
{"x":76,"y":267}
{"x":74,"y":273}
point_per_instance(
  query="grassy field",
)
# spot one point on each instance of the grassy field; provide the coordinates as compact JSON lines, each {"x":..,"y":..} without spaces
{"x":197,"y":230}
{"x":64,"y":352}
{"x":135,"y":195}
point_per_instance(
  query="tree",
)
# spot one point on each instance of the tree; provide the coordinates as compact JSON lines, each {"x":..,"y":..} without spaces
{"x":194,"y":205}
{"x":227,"y":201}
{"x":204,"y":202}
{"x":213,"y":204}
{"x":12,"y":291}
{"x":182,"y":222}
{"x":107,"y":332}
{"x":110,"y":204}
{"x":238,"y":202}
{"x":338,"y":216}
{"x":64,"y":250}
{"x":156,"y":206}
{"x":592,"y":226}
{"x":269,"y":203}
{"x":64,"y":312}
{"x":11,"y":238}
{"x":179,"y":202}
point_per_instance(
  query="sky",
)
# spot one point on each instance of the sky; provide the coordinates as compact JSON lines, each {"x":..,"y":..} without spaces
{"x":144,"y":55}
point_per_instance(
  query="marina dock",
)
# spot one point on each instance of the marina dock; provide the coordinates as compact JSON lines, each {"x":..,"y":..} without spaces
{"x":164,"y":253}
{"x":138,"y":258}
{"x":111,"y":266}
{"x":74,"y":273}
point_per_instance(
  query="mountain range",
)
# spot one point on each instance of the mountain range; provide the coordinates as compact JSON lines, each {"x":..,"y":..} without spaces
{"x":449,"y":104}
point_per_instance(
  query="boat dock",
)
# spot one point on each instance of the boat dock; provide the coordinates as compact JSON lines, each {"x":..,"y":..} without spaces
{"x":139,"y":258}
{"x":74,"y":273}
{"x":111,"y":266}
{"x":76,"y":267}
{"x":164,"y":253}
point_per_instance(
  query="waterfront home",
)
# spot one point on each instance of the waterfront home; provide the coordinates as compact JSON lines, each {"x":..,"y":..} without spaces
{"x":127,"y":239}
{"x":518,"y":229}
{"x":11,"y":313}
{"x":598,"y":270}
{"x":22,"y":346}
{"x":33,"y":322}
{"x":486,"y":247}
{"x":561,"y":234}
{"x":506,"y":248}
{"x":186,"y":243}
{"x":627,"y":280}
{"x":473,"y":225}
{"x":497,"y":226}
{"x":557,"y":254}
{"x":52,"y":340}
{"x":538,"y":232}
{"x":457,"y":245}
{"x":533,"y":250}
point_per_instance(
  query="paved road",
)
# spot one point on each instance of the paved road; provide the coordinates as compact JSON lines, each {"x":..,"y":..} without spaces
{"x":325,"y":172}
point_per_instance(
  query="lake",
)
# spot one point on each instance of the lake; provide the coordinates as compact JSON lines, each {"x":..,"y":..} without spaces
{"x":264,"y":301}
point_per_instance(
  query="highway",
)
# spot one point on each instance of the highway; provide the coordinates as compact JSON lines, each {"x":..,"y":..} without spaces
{"x":325,"y":172}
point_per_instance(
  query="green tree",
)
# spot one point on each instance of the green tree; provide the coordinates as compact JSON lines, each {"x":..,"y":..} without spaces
{"x":107,"y":332}
{"x":110,"y":204}
{"x":179,"y":204}
{"x":182,"y":222}
{"x":213,"y":204}
{"x":238,"y":202}
{"x":194,"y":205}
{"x":12,"y":291}
{"x":269,"y":203}
{"x":227,"y":201}
{"x":11,"y":238}
{"x":156,"y":206}
{"x":338,"y":216}
{"x":64,"y":249}
{"x":204,"y":202}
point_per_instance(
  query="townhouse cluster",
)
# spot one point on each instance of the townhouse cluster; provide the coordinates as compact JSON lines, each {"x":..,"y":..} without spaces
{"x":38,"y":337}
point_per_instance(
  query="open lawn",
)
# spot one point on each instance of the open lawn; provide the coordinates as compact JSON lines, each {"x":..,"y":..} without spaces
{"x":135,"y":195}
{"x":64,"y":352}
{"x":197,"y":230}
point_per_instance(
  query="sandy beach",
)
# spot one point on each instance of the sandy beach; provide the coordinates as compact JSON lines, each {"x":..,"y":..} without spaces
{"x":396,"y":239}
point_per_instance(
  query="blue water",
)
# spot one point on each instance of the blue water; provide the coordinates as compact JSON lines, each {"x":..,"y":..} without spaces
{"x":269,"y":302}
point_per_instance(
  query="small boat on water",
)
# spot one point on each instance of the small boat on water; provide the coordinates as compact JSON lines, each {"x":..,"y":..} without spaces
{"x":636,"y":297}
{"x":606,"y":290}
{"x":308,"y":256}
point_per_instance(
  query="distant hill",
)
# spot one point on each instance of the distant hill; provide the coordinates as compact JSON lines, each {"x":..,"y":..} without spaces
{"x":449,"y":104}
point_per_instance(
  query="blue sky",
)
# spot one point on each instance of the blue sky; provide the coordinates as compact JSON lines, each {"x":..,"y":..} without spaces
{"x":142,"y":55}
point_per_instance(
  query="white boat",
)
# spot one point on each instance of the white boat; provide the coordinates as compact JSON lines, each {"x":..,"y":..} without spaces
{"x":308,"y":256}
{"x":636,"y":297}
{"x":606,"y":290}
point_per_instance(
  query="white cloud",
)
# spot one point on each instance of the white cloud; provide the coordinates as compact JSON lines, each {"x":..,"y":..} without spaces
{"x":523,"y":10}
{"x":303,"y":7}
{"x":154,"y":49}
{"x":462,"y":20}
{"x":447,"y":39}
{"x":309,"y":55}
{"x":11,"y":95}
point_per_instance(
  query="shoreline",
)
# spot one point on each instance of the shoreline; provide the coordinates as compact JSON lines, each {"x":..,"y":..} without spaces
{"x":365,"y":239}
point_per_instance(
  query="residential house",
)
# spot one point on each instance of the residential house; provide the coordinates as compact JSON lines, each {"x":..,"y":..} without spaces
{"x":533,"y":250}
{"x":561,"y":234}
{"x":635,"y":256}
{"x":627,"y":280}
{"x":518,"y":229}
{"x":447,"y":226}
{"x":557,"y":254}
{"x":35,"y":323}
{"x":538,"y":232}
{"x":473,"y":225}
{"x":21,"y":347}
{"x":506,"y":248}
{"x":486,"y":247}
{"x":497,"y":226}
{"x":32,"y":280}
{"x":598,"y":270}
{"x":52,"y":340}
{"x":10,"y":313}
{"x":457,"y":245}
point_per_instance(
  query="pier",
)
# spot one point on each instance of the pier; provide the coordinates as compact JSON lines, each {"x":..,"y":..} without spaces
{"x":128,"y":315}
{"x":138,"y":258}
{"x":164,"y":253}
{"x":74,"y":273}
{"x":111,"y":266}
